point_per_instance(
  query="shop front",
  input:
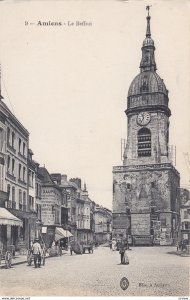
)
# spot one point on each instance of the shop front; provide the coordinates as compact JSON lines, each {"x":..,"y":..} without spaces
{"x":54,"y":234}
{"x":9,"y":228}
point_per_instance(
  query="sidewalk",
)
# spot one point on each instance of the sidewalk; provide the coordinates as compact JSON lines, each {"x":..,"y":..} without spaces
{"x":17,"y":260}
{"x":22,"y":259}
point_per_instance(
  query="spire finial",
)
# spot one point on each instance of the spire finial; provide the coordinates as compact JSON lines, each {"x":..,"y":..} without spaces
{"x":148,"y":33}
{"x":148,"y":8}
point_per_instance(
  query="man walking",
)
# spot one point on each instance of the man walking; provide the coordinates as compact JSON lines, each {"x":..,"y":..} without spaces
{"x":37,"y":253}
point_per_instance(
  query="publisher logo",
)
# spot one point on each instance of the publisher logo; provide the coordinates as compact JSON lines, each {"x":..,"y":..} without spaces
{"x":124,"y":283}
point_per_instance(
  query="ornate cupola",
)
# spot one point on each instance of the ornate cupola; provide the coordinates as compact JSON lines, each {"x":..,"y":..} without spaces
{"x":148,"y":60}
{"x":147,"y":90}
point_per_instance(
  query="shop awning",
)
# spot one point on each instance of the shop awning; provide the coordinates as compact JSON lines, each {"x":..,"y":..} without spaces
{"x":6,"y":218}
{"x":68,"y":233}
{"x":61,"y":233}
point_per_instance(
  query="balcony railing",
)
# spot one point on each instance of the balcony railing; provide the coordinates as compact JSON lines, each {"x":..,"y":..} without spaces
{"x":10,"y":176}
{"x":22,"y":181}
{"x":11,"y":148}
{"x":21,"y":155}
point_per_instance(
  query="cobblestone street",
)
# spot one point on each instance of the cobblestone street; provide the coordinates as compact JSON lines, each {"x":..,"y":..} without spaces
{"x":152,"y":271}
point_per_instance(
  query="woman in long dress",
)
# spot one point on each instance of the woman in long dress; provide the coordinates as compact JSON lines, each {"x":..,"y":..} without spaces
{"x":124,"y":257}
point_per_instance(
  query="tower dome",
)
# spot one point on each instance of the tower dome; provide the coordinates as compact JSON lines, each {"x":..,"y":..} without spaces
{"x":147,"y":90}
{"x":147,"y":82}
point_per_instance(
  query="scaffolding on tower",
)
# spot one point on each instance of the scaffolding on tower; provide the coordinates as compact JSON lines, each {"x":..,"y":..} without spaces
{"x":172,"y":154}
{"x":123,"y":145}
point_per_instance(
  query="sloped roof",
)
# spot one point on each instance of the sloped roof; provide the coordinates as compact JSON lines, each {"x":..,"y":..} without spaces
{"x":45,"y":175}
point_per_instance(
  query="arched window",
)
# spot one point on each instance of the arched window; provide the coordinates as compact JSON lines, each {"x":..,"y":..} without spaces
{"x":1,"y":138}
{"x":13,"y":139}
{"x":144,"y":142}
{"x":24,"y":201}
{"x":8,"y":135}
{"x":24,"y":173}
{"x":8,"y":163}
{"x":13,"y":193}
{"x":8,"y":190}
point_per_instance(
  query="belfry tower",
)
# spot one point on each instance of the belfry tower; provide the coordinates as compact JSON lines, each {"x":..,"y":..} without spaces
{"x":146,"y":187}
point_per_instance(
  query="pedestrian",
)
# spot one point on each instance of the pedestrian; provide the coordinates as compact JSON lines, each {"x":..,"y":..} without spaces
{"x":123,"y":254}
{"x":178,"y":245}
{"x":37,"y":253}
{"x":110,"y":244}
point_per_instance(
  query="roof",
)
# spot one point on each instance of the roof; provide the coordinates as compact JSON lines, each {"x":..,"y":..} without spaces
{"x":4,"y":108}
{"x":45,"y":174}
{"x":6,"y":218}
{"x":152,"y":81}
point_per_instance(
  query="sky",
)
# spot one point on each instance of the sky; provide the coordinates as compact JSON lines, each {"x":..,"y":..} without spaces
{"x":68,"y":84}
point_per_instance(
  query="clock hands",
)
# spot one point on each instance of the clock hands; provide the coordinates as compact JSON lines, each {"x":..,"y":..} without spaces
{"x":143,"y":118}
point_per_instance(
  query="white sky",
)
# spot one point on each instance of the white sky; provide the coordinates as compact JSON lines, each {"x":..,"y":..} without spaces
{"x":68,"y":85}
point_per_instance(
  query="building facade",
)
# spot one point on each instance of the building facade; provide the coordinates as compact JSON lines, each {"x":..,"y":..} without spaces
{"x":51,"y":201}
{"x":14,"y":177}
{"x":103,"y":222}
{"x":146,"y":186}
{"x":34,"y":203}
{"x":185,"y":215}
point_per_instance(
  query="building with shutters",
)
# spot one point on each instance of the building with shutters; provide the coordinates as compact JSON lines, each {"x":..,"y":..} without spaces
{"x":14,"y":140}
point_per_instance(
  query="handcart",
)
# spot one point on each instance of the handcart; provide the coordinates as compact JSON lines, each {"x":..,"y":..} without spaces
{"x":89,"y":247}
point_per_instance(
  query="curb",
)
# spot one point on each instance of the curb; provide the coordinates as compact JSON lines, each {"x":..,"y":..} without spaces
{"x":18,"y":263}
{"x":24,"y":262}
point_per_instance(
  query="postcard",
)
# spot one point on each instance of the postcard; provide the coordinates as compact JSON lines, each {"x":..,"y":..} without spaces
{"x":94,"y":148}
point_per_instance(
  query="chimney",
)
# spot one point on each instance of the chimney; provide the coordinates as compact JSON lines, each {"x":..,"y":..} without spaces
{"x":63,"y":178}
{"x":77,"y":181}
{"x":56,"y":177}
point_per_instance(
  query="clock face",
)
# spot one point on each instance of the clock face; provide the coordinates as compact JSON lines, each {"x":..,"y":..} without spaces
{"x":143,"y":118}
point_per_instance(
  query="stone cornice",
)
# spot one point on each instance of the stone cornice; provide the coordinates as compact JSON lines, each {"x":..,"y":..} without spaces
{"x":161,"y":108}
{"x":151,"y":167}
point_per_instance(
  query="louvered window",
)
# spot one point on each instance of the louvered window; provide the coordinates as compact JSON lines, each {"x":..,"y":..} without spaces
{"x":144,"y":142}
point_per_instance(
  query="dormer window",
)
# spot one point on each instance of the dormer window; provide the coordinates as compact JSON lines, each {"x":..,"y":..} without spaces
{"x":144,"y":85}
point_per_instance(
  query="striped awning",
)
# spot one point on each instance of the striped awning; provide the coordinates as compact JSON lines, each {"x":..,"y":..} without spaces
{"x":61,"y":233}
{"x":6,"y":218}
